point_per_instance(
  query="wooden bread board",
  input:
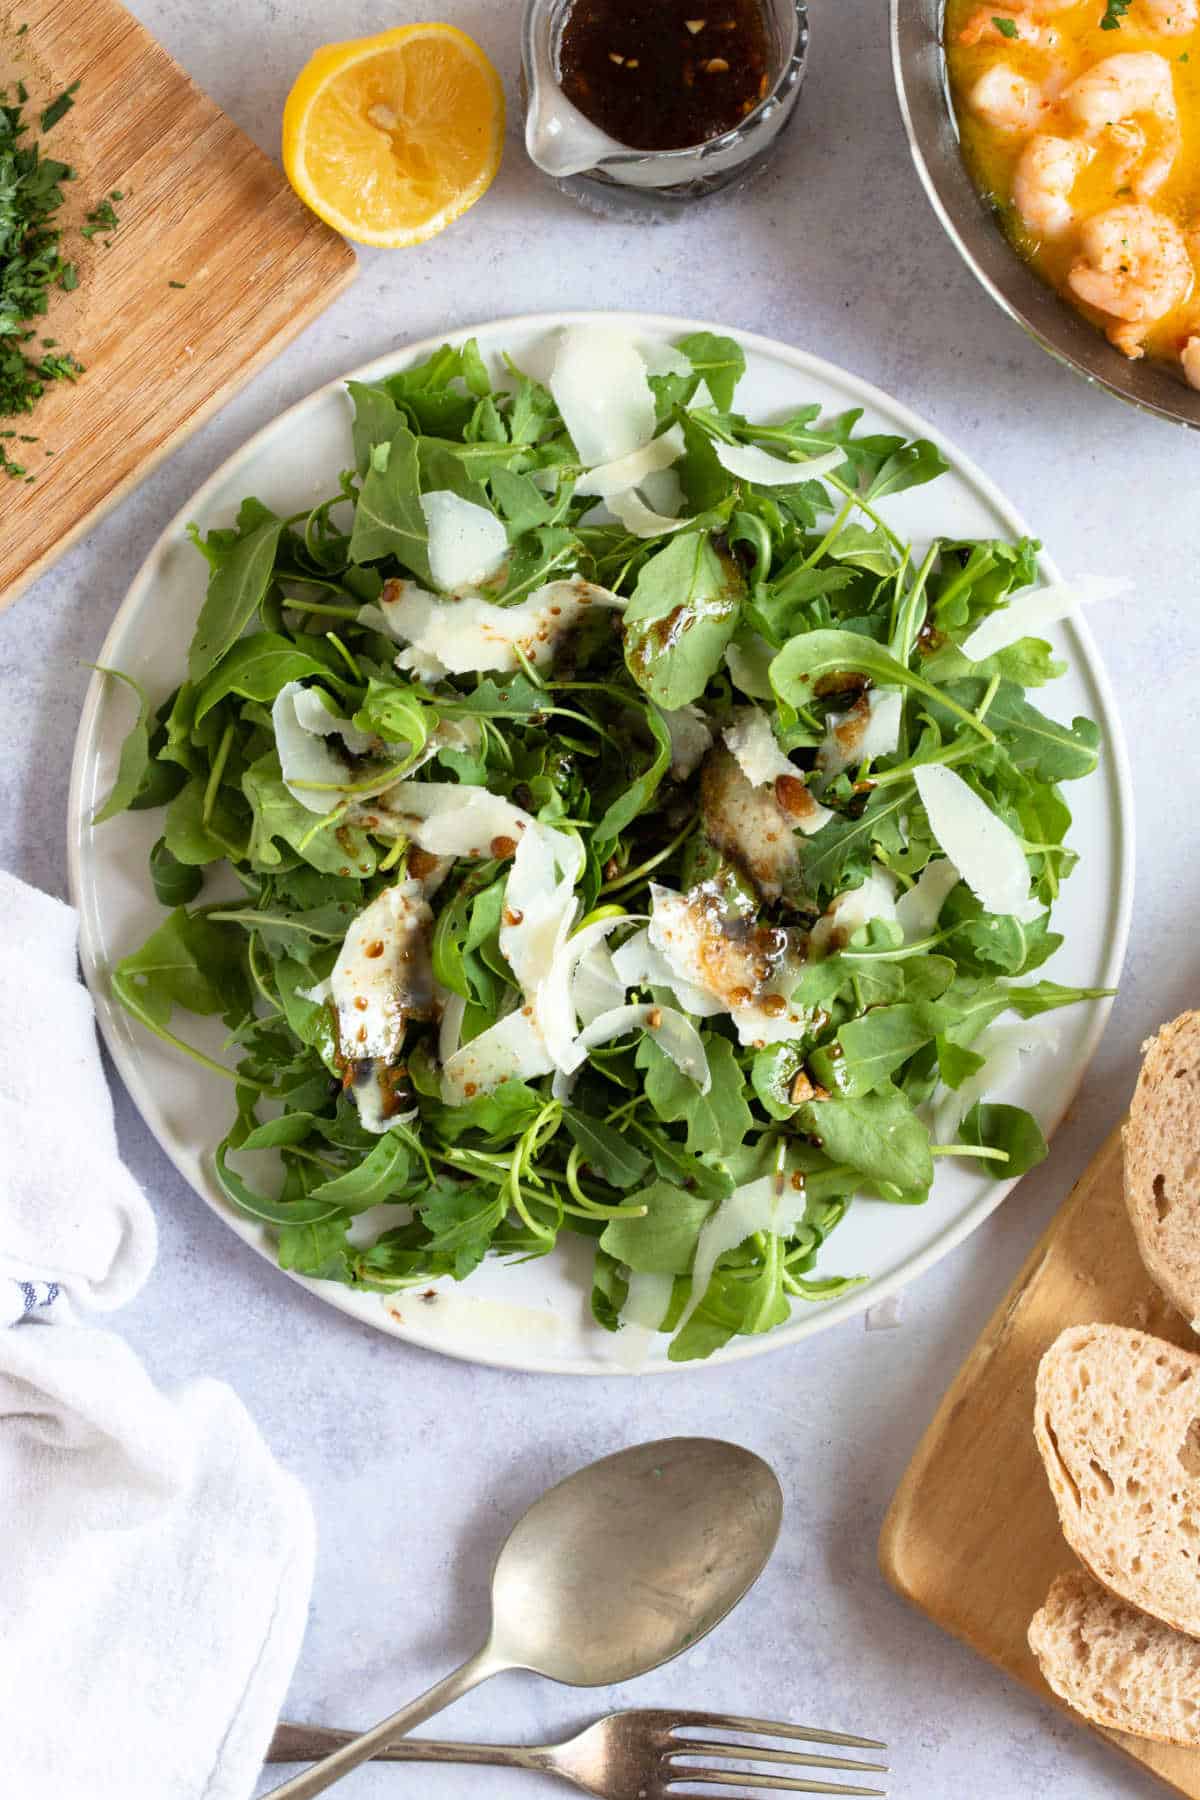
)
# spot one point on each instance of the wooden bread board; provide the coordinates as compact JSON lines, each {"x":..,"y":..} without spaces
{"x":202,"y":206}
{"x":972,"y":1536}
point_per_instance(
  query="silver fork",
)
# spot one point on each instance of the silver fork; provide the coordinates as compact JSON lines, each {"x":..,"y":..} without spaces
{"x":632,"y":1755}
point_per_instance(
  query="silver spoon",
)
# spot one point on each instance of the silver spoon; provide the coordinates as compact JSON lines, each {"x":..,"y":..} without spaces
{"x":617,"y":1569}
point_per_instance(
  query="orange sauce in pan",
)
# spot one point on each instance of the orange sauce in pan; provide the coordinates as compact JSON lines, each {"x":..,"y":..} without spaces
{"x":1071,"y":41}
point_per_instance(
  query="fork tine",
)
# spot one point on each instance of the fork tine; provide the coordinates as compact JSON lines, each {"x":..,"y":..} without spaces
{"x":761,"y":1753}
{"x":770,"y":1728}
{"x":730,"y":1778}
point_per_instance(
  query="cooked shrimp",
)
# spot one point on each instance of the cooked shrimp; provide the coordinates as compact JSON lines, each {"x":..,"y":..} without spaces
{"x":1172,"y":17}
{"x":1112,"y":94}
{"x":1046,"y":172}
{"x":1006,"y":100}
{"x":1135,"y":267}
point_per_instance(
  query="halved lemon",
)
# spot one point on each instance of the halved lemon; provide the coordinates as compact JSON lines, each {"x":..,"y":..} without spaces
{"x":390,"y":138}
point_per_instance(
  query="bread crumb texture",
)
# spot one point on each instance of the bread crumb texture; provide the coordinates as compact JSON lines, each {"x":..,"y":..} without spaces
{"x":1117,"y":1423}
{"x":1116,"y":1666}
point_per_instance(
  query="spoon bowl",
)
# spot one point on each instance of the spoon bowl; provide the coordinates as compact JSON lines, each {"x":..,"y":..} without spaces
{"x":613,"y":1572}
{"x":626,"y":1563}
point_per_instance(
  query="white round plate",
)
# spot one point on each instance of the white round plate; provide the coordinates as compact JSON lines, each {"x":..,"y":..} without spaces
{"x":536,"y":1315}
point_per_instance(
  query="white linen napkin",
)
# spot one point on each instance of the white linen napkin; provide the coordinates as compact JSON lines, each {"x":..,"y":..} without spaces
{"x":155,"y":1566}
{"x":155,"y":1561}
{"x":75,"y":1229}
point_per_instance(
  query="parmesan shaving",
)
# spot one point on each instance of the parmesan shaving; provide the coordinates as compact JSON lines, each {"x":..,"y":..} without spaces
{"x":764,"y":1205}
{"x":639,"y":520}
{"x":509,"y":1051}
{"x":691,"y":738}
{"x":757,"y":826}
{"x":874,"y":899}
{"x":599,"y":385}
{"x":373,"y":1105}
{"x":454,"y":1011}
{"x":467,"y":543}
{"x":539,"y":903}
{"x":917,"y":911}
{"x":639,"y":963}
{"x":447,"y":819}
{"x":382,"y":977}
{"x":871,"y":728}
{"x":748,"y":463}
{"x":1002,"y":1047}
{"x":756,"y":748}
{"x":315,"y":712}
{"x":663,"y":491}
{"x":596,"y":988}
{"x":630,"y":471}
{"x":313,"y":771}
{"x":405,"y":601}
{"x":472,"y":636}
{"x":704,"y":964}
{"x":669,"y":1029}
{"x":539,"y":910}
{"x":554,"y":1005}
{"x":646,"y":1306}
{"x":662,"y":358}
{"x":1031,"y":610}
{"x":987,"y":854}
{"x":759,"y":1025}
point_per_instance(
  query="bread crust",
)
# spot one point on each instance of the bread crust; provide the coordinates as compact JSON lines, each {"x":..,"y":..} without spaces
{"x":1161,"y":1149}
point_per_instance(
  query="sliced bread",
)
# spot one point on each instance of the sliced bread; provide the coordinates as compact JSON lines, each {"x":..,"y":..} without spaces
{"x":1114,"y":1665}
{"x":1162,"y":1162}
{"x":1117,"y":1422}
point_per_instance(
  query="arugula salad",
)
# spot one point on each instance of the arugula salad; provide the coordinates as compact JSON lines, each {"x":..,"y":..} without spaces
{"x":594,"y":817}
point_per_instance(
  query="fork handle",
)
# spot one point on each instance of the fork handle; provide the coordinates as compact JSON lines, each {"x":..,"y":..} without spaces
{"x":362,"y":1746}
{"x":307,"y":1743}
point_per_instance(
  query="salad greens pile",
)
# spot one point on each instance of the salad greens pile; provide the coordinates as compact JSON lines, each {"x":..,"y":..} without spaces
{"x":721,"y":817}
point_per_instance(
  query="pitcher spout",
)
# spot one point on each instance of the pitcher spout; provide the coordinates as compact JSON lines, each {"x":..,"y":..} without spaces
{"x":559,"y":140}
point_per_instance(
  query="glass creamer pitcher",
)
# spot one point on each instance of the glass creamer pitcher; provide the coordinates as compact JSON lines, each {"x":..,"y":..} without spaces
{"x":613,"y":176}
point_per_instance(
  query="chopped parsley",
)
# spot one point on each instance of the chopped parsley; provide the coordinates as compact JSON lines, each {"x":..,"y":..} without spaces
{"x":31,"y":266}
{"x":1114,"y":12}
{"x":102,"y":217}
{"x":1006,"y":27}
{"x":31,"y":260}
{"x":177,"y":284}
{"x":58,"y":109}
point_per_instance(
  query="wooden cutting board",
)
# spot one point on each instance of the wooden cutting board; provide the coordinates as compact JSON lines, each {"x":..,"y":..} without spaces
{"x":202,"y":206}
{"x":972,"y":1536}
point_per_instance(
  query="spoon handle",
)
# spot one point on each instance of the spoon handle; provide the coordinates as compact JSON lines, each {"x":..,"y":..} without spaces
{"x":322,"y":1775}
